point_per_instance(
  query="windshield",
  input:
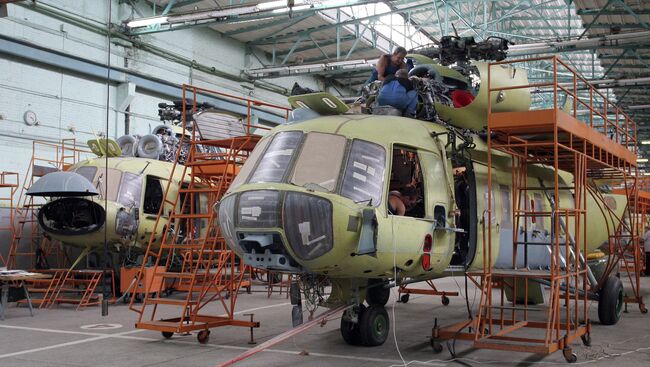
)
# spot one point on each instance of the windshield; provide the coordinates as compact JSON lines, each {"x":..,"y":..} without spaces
{"x":246,"y":169}
{"x":320,"y":161}
{"x":275,"y":162}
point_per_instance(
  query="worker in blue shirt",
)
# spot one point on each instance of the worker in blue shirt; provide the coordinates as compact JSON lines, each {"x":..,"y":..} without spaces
{"x":398,"y":91}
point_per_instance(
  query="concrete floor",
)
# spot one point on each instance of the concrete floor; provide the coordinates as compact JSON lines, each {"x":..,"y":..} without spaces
{"x":62,"y":337}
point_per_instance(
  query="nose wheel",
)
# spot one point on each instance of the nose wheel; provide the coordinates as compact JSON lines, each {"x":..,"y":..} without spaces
{"x":371,"y":329}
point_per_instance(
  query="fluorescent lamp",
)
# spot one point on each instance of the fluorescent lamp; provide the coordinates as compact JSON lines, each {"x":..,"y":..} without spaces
{"x":641,"y":160}
{"x":645,"y":142}
{"x":146,"y":22}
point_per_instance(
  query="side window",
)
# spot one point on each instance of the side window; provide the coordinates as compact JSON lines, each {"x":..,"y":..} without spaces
{"x":406,"y":183}
{"x":130,"y":190}
{"x":153,"y":196}
{"x":364,"y":173}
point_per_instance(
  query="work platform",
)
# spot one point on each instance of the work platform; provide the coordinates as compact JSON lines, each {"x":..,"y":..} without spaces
{"x":584,"y":134}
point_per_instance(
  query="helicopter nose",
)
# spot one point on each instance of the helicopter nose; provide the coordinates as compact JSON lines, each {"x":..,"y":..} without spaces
{"x":276,"y":230}
{"x":71,"y":216}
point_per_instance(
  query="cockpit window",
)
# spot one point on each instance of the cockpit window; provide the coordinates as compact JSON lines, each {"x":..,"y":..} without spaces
{"x":320,"y":161}
{"x":364,"y":173}
{"x":130,"y":190}
{"x":108,"y":181}
{"x":87,"y":171}
{"x":273,"y":165}
{"x":250,"y":163}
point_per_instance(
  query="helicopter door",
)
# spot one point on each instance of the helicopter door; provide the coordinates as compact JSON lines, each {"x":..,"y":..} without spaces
{"x":409,"y":230}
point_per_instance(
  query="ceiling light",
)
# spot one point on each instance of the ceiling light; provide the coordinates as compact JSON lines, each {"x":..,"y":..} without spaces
{"x":645,"y":142}
{"x":146,"y":22}
{"x":641,"y":160}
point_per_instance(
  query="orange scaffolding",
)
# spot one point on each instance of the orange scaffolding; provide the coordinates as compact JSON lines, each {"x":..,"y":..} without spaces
{"x":210,"y":271}
{"x":588,"y":137}
{"x":9,"y":181}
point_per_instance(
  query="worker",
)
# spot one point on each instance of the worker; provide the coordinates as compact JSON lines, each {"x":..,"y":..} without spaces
{"x":388,"y":65}
{"x":646,"y":246}
{"x":398,"y":91}
{"x":401,"y":201}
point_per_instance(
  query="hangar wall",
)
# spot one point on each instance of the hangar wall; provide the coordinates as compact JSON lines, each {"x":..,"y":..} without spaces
{"x":72,"y":104}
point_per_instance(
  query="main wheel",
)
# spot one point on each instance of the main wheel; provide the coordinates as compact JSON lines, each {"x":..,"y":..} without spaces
{"x":612,"y":299}
{"x":350,"y":330}
{"x":374,"y":326}
{"x":405,"y":298}
{"x":376,"y":294}
{"x":167,"y":334}
{"x":569,"y":356}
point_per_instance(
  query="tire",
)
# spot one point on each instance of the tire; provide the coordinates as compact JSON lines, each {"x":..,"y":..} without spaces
{"x":405,"y":298}
{"x":149,"y":146}
{"x":167,"y":334}
{"x":128,"y":145}
{"x":610,"y":304}
{"x":377,"y":294}
{"x":374,"y":326}
{"x":203,"y":336}
{"x":350,"y":330}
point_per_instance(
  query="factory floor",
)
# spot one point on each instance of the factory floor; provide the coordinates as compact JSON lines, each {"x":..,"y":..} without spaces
{"x":62,"y":336}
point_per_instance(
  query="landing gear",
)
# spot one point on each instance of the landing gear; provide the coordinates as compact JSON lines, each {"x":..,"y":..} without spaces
{"x":370,"y":330}
{"x":296,"y":301}
{"x":610,"y":304}
{"x":405,"y":298}
{"x":167,"y":334}
{"x":203,"y":336}
{"x":377,"y":294}
{"x":349,"y":328}
{"x":373,"y":326}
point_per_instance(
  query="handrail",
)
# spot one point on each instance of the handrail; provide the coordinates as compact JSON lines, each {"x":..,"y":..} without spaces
{"x":616,"y":125}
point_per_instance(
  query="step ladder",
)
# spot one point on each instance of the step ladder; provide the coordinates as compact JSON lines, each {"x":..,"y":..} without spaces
{"x":209,"y":271}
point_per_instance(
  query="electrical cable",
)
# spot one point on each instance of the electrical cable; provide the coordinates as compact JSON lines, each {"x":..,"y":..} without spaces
{"x":394,"y":319}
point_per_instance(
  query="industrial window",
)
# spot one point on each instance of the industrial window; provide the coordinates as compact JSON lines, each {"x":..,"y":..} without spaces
{"x":130,"y":190}
{"x":406,"y":174}
{"x":153,"y":196}
{"x":506,"y":207}
{"x":275,"y":162}
{"x":249,"y":164}
{"x":363,"y":180}
{"x":320,"y":161}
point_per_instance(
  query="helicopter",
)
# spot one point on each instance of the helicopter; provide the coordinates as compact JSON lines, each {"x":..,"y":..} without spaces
{"x":115,"y":197}
{"x":313,"y":199}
